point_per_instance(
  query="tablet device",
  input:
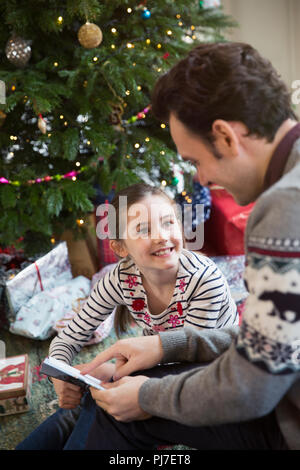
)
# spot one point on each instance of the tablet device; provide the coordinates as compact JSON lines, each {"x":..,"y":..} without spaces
{"x":60,"y":370}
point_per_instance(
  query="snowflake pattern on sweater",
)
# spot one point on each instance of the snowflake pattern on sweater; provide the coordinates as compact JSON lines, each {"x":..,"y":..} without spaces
{"x":271,"y":319}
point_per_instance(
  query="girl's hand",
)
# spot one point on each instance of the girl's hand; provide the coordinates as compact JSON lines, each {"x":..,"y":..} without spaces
{"x":69,"y":395}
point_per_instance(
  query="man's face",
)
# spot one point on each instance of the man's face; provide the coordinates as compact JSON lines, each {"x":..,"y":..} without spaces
{"x":236,"y":175}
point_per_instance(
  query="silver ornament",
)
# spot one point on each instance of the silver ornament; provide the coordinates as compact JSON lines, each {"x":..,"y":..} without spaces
{"x":18,"y":51}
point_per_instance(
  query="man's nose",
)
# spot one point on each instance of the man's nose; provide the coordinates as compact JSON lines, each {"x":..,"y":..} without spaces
{"x":203,"y":180}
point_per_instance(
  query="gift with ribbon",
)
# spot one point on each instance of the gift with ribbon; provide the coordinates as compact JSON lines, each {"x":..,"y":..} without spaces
{"x":36,"y":318}
{"x":47,"y":272}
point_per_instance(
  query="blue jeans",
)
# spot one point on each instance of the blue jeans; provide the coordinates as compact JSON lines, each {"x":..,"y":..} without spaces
{"x":64,"y":430}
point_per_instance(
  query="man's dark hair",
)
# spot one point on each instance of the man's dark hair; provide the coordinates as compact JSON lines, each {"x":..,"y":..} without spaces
{"x":229,"y":81}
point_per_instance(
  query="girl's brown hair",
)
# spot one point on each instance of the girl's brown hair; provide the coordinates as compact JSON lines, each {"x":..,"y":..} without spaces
{"x":134,"y":194}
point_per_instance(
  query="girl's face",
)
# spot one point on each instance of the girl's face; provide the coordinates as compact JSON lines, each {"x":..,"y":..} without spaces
{"x":153,"y":236}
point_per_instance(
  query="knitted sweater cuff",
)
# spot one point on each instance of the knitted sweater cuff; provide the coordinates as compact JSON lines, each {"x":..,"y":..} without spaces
{"x":174,"y":345}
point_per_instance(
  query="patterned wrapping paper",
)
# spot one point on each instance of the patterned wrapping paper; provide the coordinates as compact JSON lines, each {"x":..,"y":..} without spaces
{"x":233,"y":269}
{"x":105,"y":328}
{"x":54,"y":269}
{"x":38,"y":316}
{"x":15,"y":385}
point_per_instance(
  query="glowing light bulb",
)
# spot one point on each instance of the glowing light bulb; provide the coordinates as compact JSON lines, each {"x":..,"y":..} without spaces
{"x":60,"y":20}
{"x":137,"y":145}
{"x":163,"y":126}
{"x":55,"y":64}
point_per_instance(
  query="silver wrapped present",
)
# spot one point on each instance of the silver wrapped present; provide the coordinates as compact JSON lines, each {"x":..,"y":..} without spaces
{"x":36,"y":319}
{"x":47,"y":272}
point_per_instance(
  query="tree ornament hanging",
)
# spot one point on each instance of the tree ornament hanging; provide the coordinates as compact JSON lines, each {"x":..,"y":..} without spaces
{"x":90,"y":35}
{"x":42,"y":124}
{"x":146,"y":14}
{"x":18,"y":51}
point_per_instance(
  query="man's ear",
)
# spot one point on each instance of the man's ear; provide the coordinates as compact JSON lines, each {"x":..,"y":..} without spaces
{"x":226,"y":138}
{"x":118,"y":248}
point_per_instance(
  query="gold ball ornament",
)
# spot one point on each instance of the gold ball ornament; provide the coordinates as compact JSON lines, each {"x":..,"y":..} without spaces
{"x":90,"y":35}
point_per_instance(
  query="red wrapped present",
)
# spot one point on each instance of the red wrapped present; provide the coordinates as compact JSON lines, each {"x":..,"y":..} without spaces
{"x":15,"y":385}
{"x":224,"y":230}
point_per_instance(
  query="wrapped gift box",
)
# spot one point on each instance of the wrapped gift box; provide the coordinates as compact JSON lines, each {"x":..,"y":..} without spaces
{"x":38,"y":316}
{"x":15,"y":385}
{"x":233,"y":268}
{"x":105,"y":328}
{"x":47,"y":272}
{"x":224,"y":231}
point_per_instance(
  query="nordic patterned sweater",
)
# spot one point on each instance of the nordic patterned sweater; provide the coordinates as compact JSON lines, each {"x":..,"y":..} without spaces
{"x":255,"y":368}
{"x":201,"y":299}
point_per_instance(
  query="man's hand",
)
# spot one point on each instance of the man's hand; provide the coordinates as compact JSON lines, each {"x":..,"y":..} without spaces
{"x":120,"y":399}
{"x":131,"y":354}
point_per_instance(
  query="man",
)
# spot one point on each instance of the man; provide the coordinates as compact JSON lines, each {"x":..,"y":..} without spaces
{"x":229,"y":114}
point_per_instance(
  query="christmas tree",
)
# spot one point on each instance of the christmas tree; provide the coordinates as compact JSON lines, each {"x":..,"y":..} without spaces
{"x":78,"y":78}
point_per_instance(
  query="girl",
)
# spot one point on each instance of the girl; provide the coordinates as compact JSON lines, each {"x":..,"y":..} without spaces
{"x":162,"y":285}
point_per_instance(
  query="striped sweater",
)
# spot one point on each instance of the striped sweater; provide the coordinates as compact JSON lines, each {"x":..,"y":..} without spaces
{"x":201,"y":299}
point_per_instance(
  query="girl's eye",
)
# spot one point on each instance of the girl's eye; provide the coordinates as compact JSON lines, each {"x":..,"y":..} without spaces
{"x":144,"y":229}
{"x":167,"y":223}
